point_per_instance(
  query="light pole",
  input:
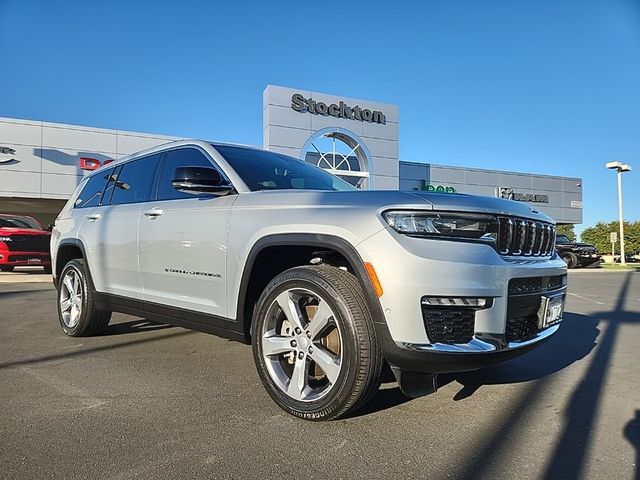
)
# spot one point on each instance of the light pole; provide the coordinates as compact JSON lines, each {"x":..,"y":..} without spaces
{"x":620,"y":167}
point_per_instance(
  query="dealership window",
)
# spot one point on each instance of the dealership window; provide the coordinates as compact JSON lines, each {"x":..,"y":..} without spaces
{"x":341,"y":153}
{"x":133,"y":183}
{"x":91,"y":194}
{"x":183,"y":157}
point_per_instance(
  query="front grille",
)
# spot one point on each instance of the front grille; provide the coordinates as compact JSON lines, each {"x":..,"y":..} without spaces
{"x":522,"y":237}
{"x":29,"y":243}
{"x":449,"y":325}
{"x":528,"y":285}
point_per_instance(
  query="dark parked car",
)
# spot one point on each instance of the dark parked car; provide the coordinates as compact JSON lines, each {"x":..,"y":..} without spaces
{"x":576,"y":254}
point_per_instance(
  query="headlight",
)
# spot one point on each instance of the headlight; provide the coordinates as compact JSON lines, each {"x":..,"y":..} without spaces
{"x":469,"y":226}
{"x":5,"y":239}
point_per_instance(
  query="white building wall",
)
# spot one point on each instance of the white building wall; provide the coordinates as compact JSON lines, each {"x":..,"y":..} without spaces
{"x":46,"y":162}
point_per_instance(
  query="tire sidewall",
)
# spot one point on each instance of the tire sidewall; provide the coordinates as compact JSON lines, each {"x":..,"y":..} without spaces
{"x":572,"y":261}
{"x":79,"y":269}
{"x":340,"y":392}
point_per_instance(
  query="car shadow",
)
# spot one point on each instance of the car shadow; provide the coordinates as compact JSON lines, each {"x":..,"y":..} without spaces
{"x":575,"y":339}
{"x":134,"y":326}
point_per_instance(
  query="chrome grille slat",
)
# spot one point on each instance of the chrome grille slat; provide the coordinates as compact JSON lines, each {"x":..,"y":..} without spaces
{"x":527,"y":238}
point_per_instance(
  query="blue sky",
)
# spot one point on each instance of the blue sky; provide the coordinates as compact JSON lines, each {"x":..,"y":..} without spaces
{"x":547,"y":86}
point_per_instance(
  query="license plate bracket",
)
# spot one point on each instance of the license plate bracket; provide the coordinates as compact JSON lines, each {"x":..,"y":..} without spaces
{"x":551,"y":310}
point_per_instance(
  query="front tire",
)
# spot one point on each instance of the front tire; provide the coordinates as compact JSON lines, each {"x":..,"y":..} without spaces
{"x":314,"y":343}
{"x":570,"y":259}
{"x":76,"y":309}
{"x":6,"y":268}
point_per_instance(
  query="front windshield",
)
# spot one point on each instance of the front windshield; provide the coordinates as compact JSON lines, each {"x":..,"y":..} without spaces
{"x":9,"y":221}
{"x":562,"y":239}
{"x":262,"y":170}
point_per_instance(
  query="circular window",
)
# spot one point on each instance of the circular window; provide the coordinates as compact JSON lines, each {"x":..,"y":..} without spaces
{"x":341,"y":153}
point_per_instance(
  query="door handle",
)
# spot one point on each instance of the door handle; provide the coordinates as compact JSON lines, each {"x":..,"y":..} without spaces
{"x":153,"y":213}
{"x":93,"y":216}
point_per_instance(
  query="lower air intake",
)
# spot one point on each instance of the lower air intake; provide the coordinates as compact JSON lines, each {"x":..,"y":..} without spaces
{"x":449,"y":325}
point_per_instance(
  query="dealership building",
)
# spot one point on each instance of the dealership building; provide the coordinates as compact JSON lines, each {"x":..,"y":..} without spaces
{"x":41,"y":163}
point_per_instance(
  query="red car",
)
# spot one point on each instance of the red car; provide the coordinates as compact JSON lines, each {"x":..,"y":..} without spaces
{"x":23,"y":242}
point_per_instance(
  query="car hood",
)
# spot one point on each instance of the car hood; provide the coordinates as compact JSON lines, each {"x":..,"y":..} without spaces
{"x":22,"y":231}
{"x":380,"y":199}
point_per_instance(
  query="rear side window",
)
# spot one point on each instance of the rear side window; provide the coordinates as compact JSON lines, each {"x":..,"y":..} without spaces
{"x":133,"y":183}
{"x":92,"y":193}
{"x":183,"y":157}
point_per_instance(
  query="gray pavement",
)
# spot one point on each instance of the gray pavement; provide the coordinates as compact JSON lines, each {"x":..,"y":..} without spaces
{"x":146,"y":400}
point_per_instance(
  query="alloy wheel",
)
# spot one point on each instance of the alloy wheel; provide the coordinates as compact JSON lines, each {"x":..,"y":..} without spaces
{"x":71,"y":296}
{"x":302,"y":345}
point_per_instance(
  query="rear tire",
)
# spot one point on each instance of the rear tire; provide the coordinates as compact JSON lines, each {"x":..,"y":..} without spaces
{"x":76,"y":309}
{"x":570,"y":259}
{"x":47,"y":269}
{"x":316,"y":367}
{"x":6,"y":268}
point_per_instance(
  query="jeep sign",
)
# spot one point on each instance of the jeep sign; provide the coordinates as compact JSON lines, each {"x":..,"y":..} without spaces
{"x":338,"y":110}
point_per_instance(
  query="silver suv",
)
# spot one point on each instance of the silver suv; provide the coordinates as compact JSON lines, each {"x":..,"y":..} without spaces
{"x":329,"y":284}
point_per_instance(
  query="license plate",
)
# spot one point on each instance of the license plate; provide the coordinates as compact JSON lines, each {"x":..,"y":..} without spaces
{"x":551,"y":310}
{"x":35,"y":260}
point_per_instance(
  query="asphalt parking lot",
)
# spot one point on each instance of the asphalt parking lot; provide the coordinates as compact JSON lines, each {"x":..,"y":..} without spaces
{"x":147,"y":400}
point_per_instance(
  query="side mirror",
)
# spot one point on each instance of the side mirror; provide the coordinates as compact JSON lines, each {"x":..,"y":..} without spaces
{"x":200,"y":180}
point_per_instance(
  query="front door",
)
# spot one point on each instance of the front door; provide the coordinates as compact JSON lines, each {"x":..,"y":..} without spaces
{"x":183,"y":242}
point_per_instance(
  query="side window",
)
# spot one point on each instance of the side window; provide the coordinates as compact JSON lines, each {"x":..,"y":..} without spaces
{"x":92,"y":193}
{"x":134,"y":180}
{"x":183,"y":157}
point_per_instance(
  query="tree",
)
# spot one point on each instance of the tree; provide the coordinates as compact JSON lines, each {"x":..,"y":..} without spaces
{"x":566,"y":230}
{"x":599,"y":235}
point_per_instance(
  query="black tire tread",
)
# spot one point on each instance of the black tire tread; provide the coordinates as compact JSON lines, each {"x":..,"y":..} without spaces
{"x":573,"y":259}
{"x":94,"y":321}
{"x":369,"y":369}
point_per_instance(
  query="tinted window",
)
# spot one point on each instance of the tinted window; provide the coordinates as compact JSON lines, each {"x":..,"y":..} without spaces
{"x":183,"y":157}
{"x":19,"y":222}
{"x":134,"y":180}
{"x":91,"y":194}
{"x":263,"y":170}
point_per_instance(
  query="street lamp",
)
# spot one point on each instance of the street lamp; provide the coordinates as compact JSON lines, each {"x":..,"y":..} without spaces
{"x":620,"y":167}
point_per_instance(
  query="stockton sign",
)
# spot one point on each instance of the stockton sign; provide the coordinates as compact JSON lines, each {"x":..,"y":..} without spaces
{"x":338,"y":110}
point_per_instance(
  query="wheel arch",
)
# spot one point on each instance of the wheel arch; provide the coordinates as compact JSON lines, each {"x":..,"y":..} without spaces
{"x":248,"y":292}
{"x":68,"y":249}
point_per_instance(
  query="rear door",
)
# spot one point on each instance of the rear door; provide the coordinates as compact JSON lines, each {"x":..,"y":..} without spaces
{"x":87,"y":209}
{"x":183,"y":241}
{"x":110,"y":232}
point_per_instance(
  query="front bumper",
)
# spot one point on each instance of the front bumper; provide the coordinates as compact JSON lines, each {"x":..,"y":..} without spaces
{"x":19,"y":259}
{"x":586,"y":259}
{"x":412,"y":268}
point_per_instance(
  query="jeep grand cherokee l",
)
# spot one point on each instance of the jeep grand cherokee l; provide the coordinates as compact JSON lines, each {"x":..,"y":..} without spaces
{"x":325,"y":281}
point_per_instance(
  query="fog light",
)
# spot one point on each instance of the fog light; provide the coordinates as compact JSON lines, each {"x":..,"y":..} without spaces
{"x":455,"y":301}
